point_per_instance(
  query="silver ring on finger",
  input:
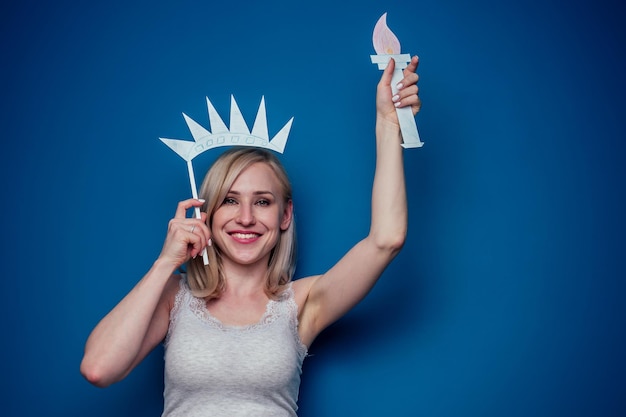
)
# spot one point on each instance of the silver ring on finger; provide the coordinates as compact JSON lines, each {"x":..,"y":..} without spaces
{"x":192,"y":228}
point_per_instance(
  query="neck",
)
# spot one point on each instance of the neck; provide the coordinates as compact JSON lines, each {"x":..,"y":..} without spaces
{"x":245,"y":280}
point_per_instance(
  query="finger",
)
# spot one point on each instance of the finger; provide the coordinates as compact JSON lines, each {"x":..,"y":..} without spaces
{"x":406,"y":96}
{"x":410,"y":76}
{"x":195,"y":244}
{"x":412,"y":67}
{"x":199,"y":227}
{"x":183,"y":206}
{"x":201,"y":243}
{"x":413,"y":101}
{"x":198,"y":247}
{"x":189,"y":225}
{"x":409,"y":91}
{"x":385,"y":79}
{"x":408,"y":101}
{"x":417,"y":106}
{"x":409,"y":80}
{"x":193,"y":234}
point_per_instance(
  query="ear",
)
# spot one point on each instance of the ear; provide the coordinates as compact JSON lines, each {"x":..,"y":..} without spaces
{"x":287,"y":216}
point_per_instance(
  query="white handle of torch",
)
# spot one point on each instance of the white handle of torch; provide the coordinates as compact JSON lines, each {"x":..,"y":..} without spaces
{"x":194,"y":193}
{"x":408,"y":127}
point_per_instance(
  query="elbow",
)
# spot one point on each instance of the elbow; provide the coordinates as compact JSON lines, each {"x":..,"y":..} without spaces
{"x":94,"y":375}
{"x":395,"y":245}
{"x":391,"y":242}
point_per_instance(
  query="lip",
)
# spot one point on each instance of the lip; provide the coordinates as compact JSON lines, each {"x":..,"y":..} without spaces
{"x":244,"y":236}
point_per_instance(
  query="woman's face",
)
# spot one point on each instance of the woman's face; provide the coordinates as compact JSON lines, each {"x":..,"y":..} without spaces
{"x":248,"y":223}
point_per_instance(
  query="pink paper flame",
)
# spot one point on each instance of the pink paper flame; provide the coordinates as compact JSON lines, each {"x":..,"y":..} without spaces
{"x":385,"y":42}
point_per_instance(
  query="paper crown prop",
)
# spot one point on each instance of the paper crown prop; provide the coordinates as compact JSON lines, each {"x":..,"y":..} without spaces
{"x":237,"y":135}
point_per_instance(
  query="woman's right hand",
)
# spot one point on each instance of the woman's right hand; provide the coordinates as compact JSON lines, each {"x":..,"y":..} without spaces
{"x":186,"y":236}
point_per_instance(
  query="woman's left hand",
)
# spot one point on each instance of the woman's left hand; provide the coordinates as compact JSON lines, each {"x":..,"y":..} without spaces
{"x":407,"y":94}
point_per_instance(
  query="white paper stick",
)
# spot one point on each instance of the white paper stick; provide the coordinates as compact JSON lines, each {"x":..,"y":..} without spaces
{"x":194,"y":193}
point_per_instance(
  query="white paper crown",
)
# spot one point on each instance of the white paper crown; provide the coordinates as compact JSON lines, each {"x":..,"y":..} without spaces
{"x":237,"y":135}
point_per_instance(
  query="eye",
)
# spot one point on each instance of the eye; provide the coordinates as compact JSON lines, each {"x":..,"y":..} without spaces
{"x":229,"y":201}
{"x":263,"y":202}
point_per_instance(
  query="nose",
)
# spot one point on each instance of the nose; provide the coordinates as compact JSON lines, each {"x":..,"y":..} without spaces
{"x":245,"y":215}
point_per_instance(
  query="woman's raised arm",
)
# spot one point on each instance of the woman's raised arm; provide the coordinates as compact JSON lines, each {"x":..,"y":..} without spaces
{"x":325,"y":298}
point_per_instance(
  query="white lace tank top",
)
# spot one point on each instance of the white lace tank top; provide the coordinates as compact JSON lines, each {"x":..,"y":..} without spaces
{"x":212,"y":369}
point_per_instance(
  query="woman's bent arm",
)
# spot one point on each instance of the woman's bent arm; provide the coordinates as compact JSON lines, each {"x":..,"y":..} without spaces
{"x":131,"y":330}
{"x":141,"y":320}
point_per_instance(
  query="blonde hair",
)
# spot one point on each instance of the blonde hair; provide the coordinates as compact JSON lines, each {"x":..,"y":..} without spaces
{"x":209,"y":281}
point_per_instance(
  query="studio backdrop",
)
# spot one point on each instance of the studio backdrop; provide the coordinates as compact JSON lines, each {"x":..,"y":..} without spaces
{"x":508,"y":296}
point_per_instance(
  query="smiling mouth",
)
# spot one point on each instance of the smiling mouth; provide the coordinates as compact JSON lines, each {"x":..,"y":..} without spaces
{"x":245,"y":236}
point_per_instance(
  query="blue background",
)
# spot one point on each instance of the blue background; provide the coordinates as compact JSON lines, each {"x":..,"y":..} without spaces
{"x":509,"y":297}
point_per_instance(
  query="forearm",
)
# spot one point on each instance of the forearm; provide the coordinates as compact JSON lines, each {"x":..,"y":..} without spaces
{"x":389,"y":206}
{"x":114,"y":345}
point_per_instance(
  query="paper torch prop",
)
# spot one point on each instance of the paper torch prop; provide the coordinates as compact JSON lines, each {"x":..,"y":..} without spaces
{"x":387,"y":46}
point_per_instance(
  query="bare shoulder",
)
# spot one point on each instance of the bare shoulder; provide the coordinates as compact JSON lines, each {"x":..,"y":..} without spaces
{"x":302,"y":290}
{"x":302,"y":287}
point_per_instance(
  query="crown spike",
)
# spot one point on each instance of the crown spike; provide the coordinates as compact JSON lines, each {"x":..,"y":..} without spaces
{"x":181,"y":147}
{"x":217,"y":124}
{"x":237,"y":123}
{"x":198,"y":132}
{"x":279,"y":141}
{"x":260,"y":123}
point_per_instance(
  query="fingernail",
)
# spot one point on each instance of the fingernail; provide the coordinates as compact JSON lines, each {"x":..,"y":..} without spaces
{"x":209,"y":242}
{"x":202,"y":200}
{"x":397,"y":104}
{"x":395,"y":98}
{"x":399,"y":86}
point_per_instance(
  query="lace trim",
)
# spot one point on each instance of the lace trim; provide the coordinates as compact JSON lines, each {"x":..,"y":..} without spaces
{"x":178,"y":301}
{"x":198,"y":308}
{"x":272,"y":312}
{"x":292,"y":307}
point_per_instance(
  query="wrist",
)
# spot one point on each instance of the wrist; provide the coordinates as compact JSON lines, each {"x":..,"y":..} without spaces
{"x":387,"y":123}
{"x":164,"y":266}
{"x":387,"y":129}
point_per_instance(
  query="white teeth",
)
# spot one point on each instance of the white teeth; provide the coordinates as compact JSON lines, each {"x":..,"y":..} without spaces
{"x":245,"y":235}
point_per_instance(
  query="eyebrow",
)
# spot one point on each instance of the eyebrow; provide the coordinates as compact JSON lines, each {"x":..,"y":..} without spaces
{"x":254,"y":193}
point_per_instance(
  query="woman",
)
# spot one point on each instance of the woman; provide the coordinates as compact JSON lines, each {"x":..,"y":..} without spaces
{"x":236,"y":332}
